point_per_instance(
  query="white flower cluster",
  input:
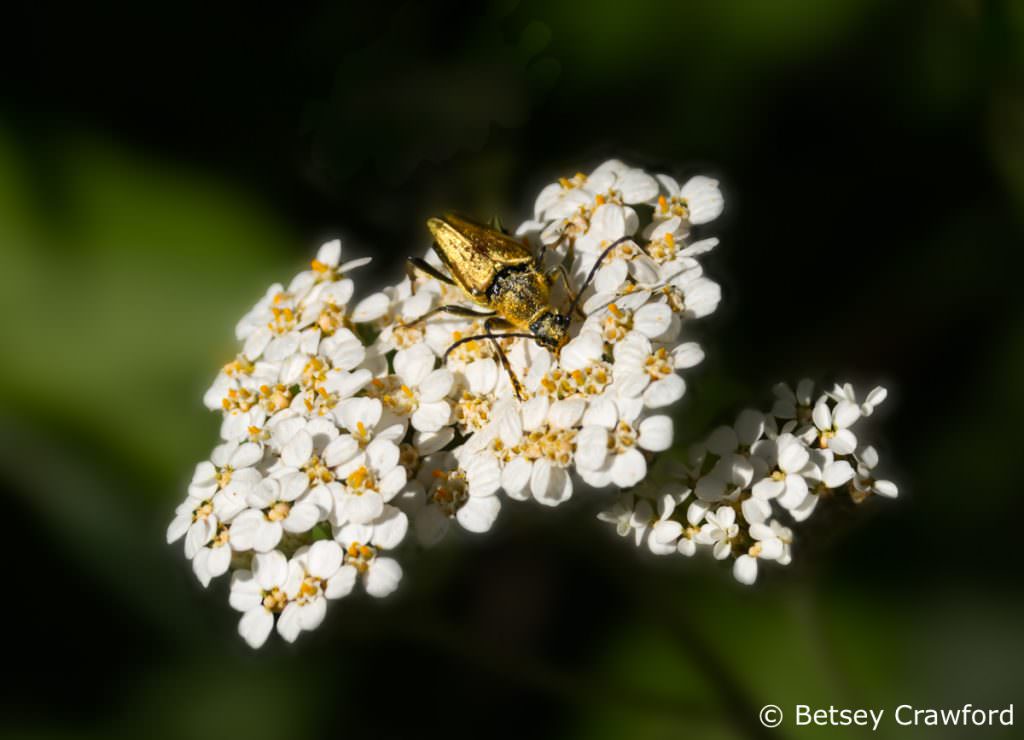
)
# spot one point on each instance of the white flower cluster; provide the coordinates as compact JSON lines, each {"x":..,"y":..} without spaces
{"x":743,"y":476}
{"x":346,"y":421}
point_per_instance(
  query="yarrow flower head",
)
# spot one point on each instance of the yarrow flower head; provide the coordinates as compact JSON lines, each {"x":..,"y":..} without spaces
{"x":751,"y":477}
{"x":348,"y":420}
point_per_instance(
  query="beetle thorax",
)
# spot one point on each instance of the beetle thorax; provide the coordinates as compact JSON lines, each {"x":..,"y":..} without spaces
{"x":520,"y":295}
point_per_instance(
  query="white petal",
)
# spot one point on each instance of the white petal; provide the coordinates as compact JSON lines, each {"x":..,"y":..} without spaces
{"x":382,"y":577}
{"x":370,"y":308}
{"x":845,"y":414}
{"x":431,"y":525}
{"x":821,"y":416}
{"x":268,"y":534}
{"x":382,"y":454}
{"x":664,"y":392}
{"x":330,"y":253}
{"x":756,"y":510}
{"x":289,"y":623}
{"x":478,"y":514}
{"x":515,"y":478}
{"x":795,"y":493}
{"x":745,"y":569}
{"x":198,"y":535}
{"x":341,"y":583}
{"x":628,"y":469}
{"x":297,"y":450}
{"x":178,"y":527}
{"x":436,"y":385}
{"x":564,"y":414}
{"x":362,"y":509}
{"x":550,"y":485}
{"x":687,"y":354}
{"x":255,"y":626}
{"x":838,"y":473}
{"x":340,"y":450}
{"x":414,"y":364}
{"x":591,"y":448}
{"x":430,"y":417}
{"x":483,"y":475}
{"x":389,"y":528}
{"x":886,"y":488}
{"x":302,"y":518}
{"x":601,"y":412}
{"x":312,"y":614}
{"x":270,"y":569}
{"x":653,"y":320}
{"x":843,"y":443}
{"x":655,"y":433}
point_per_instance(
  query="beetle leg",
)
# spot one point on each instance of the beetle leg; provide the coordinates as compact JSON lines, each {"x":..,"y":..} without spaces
{"x":454,"y":310}
{"x":418,"y":263}
{"x":490,"y":325}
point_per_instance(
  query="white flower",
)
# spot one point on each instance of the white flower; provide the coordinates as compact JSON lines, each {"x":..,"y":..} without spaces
{"x":735,"y":468}
{"x":833,"y":426}
{"x":302,"y":444}
{"x":865,"y":481}
{"x":697,"y":201}
{"x":316,"y":575}
{"x":629,"y":514}
{"x":417,"y":390}
{"x":448,"y":492}
{"x":767,"y":546}
{"x":610,"y":444}
{"x":790,"y":404}
{"x":719,"y":531}
{"x":368,"y":423}
{"x":846,"y":392}
{"x":363,"y":544}
{"x":537,"y":443}
{"x":789,"y":457}
{"x":665,"y":531}
{"x":368,"y":481}
{"x":615,"y":317}
{"x":260,"y":594}
{"x":642,"y":370}
{"x":277,"y":505}
{"x":217,"y":494}
{"x":214,"y":558}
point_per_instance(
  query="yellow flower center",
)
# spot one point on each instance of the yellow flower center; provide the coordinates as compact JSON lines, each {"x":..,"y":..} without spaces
{"x":622,"y":438}
{"x":359,"y":556}
{"x":317,"y":471}
{"x":556,"y":445}
{"x":278,"y":511}
{"x":202,"y":511}
{"x":449,"y":491}
{"x":274,"y":600}
{"x":658,"y":365}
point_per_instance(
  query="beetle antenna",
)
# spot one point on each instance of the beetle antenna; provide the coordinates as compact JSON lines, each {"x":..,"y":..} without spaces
{"x":593,"y":272}
{"x":651,"y":288}
{"x":475,"y":337}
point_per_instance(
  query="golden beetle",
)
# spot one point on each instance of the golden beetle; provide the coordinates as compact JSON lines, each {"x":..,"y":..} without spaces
{"x":501,"y":274}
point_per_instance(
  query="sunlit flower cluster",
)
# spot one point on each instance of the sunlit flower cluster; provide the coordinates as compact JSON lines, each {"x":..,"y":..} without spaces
{"x":746,"y":481}
{"x":347,"y":422}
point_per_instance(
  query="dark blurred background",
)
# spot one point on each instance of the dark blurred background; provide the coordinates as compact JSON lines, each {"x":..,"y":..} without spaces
{"x":159,"y":167}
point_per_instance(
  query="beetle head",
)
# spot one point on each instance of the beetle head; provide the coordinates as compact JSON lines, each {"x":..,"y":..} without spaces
{"x":551,"y":330}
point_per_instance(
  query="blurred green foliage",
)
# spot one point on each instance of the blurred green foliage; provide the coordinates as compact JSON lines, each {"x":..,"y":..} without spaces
{"x":874,"y":159}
